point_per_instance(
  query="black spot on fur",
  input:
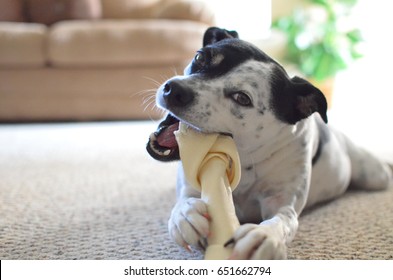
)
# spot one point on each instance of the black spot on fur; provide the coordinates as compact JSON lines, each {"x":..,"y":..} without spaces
{"x":254,"y":85}
{"x":237,"y":113}
{"x":262,"y":111}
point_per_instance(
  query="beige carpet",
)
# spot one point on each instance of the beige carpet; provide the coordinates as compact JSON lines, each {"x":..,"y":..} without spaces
{"x":89,"y":191}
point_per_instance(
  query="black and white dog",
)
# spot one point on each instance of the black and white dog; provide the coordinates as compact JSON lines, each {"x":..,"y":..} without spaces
{"x":291,"y":159}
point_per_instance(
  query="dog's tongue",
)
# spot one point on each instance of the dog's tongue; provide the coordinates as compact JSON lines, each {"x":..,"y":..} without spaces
{"x":166,"y":138}
{"x":162,"y":144}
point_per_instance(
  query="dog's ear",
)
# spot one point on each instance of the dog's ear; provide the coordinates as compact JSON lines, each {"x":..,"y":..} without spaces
{"x":297,"y":100}
{"x":308,"y":99}
{"x":215,"y":34}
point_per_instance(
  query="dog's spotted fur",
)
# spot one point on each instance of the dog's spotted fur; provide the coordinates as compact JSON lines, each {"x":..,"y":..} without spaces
{"x":290,"y":157}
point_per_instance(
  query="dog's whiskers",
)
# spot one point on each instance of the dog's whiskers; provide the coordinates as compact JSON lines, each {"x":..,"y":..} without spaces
{"x":155,"y":82}
{"x":149,"y":101}
{"x":174,"y":69}
{"x":144,"y":92}
{"x":148,"y":98}
{"x":151,"y":107}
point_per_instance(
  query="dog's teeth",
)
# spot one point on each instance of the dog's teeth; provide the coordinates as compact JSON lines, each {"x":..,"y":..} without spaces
{"x":153,"y":137}
{"x":163,"y":153}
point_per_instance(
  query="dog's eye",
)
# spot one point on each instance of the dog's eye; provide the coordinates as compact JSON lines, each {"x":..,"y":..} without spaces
{"x":241,"y":98}
{"x":200,"y":59}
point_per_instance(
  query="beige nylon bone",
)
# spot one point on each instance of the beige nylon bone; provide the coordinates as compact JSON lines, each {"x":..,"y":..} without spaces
{"x":211,"y":164}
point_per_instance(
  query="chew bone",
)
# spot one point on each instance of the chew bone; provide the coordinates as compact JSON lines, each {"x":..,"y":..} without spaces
{"x":211,"y":164}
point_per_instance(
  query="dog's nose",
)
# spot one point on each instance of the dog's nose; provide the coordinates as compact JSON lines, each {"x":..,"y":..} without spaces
{"x":177,"y":95}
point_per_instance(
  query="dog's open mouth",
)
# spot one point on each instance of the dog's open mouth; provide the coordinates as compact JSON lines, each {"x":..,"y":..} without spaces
{"x":162,"y":144}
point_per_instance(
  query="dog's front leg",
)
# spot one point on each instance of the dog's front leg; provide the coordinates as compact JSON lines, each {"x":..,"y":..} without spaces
{"x":268,"y":239}
{"x":189,"y":221}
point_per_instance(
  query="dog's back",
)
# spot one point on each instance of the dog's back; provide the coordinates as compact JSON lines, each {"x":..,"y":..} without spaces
{"x":340,"y":163}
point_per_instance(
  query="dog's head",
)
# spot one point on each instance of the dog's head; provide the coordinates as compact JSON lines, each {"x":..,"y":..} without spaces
{"x":232,"y":87}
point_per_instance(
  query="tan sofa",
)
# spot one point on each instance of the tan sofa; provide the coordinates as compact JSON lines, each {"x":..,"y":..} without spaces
{"x":100,"y":61}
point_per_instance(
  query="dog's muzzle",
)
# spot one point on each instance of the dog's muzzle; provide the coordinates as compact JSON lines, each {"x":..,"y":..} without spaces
{"x":162,"y":144}
{"x":175,"y":98}
{"x":174,"y":95}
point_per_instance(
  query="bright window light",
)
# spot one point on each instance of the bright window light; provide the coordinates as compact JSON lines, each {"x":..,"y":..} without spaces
{"x":250,"y":18}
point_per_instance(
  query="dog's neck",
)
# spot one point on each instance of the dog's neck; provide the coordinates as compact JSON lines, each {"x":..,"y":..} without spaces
{"x":270,"y":141}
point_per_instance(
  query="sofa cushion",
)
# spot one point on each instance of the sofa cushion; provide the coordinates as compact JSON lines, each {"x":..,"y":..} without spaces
{"x":22,"y":44}
{"x":51,"y":11}
{"x":126,"y":42}
{"x":11,"y":10}
{"x":129,"y":8}
{"x":186,"y":10}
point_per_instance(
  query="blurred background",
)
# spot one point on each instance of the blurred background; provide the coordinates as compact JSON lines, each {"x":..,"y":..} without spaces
{"x":89,"y":60}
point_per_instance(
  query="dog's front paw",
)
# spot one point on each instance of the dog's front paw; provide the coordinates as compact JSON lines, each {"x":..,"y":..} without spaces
{"x":258,"y":242}
{"x":189,"y":223}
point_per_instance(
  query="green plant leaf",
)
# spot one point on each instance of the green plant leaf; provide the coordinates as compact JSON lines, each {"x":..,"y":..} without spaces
{"x":320,"y":49}
{"x":356,"y":54}
{"x":320,"y":2}
{"x":355,"y":36}
{"x":349,"y":3}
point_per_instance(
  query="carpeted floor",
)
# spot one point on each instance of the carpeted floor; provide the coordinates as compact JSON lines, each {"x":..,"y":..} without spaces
{"x":89,"y":191}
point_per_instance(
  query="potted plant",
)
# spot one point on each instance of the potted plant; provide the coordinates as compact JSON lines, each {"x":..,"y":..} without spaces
{"x":320,"y":42}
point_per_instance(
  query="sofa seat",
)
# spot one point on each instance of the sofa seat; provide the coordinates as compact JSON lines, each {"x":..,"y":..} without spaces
{"x":22,"y":44}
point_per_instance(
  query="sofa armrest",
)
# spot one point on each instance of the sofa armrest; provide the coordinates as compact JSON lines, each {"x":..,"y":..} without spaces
{"x":186,"y":10}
